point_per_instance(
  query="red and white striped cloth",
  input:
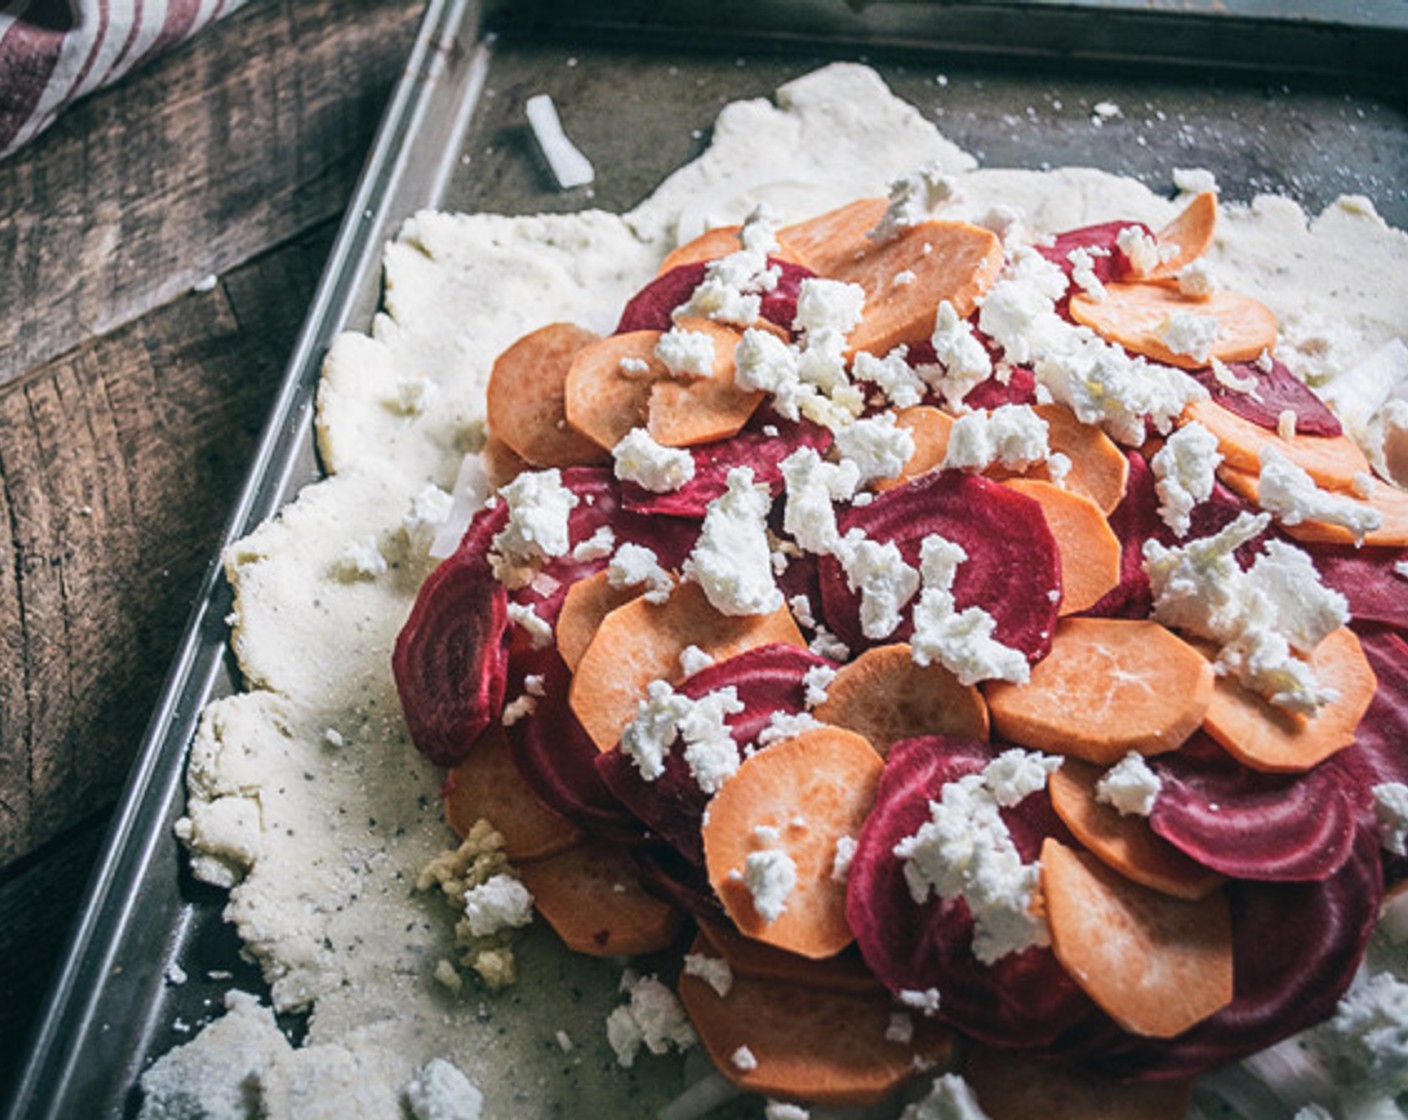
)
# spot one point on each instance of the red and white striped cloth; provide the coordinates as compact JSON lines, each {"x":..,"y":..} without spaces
{"x":53,"y":52}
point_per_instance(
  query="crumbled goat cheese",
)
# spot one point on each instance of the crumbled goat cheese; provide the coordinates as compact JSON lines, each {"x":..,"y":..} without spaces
{"x":732,"y":560}
{"x":892,"y":375}
{"x":1391,"y":809}
{"x":812,"y":485}
{"x":538,"y":629}
{"x":877,"y":446}
{"x":537,"y":528}
{"x":733,"y":285}
{"x":598,"y":546}
{"x":886,"y":583}
{"x":1130,"y":785}
{"x":361,"y":559}
{"x":828,"y":307}
{"x":913,"y":198}
{"x":634,"y":565}
{"x":500,"y":903}
{"x":1197,"y":280}
{"x":770,"y":876}
{"x":949,"y":1098}
{"x":1139,"y":247}
{"x":430,"y":508}
{"x":520,"y":708}
{"x":926,"y":1002}
{"x":1286,"y":424}
{"x":1192,"y":335}
{"x":963,"y":360}
{"x":1258,"y":616}
{"x":1015,"y":775}
{"x":744,"y":1060}
{"x":633,"y":368}
{"x":965,"y":850}
{"x":841,"y":861}
{"x":693,"y":660}
{"x":784,"y":1110}
{"x":1366,"y":1041}
{"x":900,"y":1028}
{"x":639,"y":459}
{"x":714,"y":971}
{"x":785,"y":725}
{"x":687,"y":355}
{"x":1083,"y":271}
{"x":1224,"y":376}
{"x":653,"y":1018}
{"x":565,"y":160}
{"x":960,"y":641}
{"x":1185,"y":470}
{"x":1287,"y":491}
{"x":439,"y":1091}
{"x":664,"y":715}
{"x":815,"y":682}
{"x":1012,"y":436}
{"x":765,"y":363}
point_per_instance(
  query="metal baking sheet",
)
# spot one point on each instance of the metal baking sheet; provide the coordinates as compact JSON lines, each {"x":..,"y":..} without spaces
{"x":1296,"y":98}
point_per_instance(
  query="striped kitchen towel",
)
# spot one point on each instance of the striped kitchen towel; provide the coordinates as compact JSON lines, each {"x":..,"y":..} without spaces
{"x":52,"y":52}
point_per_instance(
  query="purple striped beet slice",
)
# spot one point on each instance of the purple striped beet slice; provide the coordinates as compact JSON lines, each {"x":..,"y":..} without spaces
{"x":1023,"y":999}
{"x":1013,"y":570}
{"x":1380,"y":749}
{"x":768,"y":680}
{"x":1367,"y":578}
{"x":761,"y":446}
{"x":652,"y":308}
{"x":1295,"y":948}
{"x":556,"y":756}
{"x":450,"y":661}
{"x":1276,"y":390}
{"x":1250,"y":825}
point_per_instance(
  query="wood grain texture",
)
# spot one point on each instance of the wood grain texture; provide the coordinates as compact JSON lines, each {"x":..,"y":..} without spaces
{"x":249,"y":134}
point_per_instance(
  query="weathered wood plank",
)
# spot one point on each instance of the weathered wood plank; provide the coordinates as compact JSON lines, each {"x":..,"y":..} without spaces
{"x":241,"y":139}
{"x":118,"y":466}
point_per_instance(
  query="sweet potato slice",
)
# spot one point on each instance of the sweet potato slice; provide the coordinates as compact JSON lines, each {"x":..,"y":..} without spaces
{"x":592,"y":897}
{"x":819,"y":1045}
{"x":1157,"y":965}
{"x":488,"y":786}
{"x":640,"y":642}
{"x":845,"y":972}
{"x":1090,"y":551}
{"x":1187,"y":237}
{"x":684,"y":413}
{"x":601,"y":399}
{"x":951,"y":261}
{"x":930,"y":428}
{"x":1264,"y":737}
{"x":828,"y":241}
{"x":587,"y":602}
{"x":525,"y":399}
{"x":1099,"y":468}
{"x":800,"y":797}
{"x":1125,"y":843}
{"x":713,"y":244}
{"x":1010,"y":1085}
{"x":886,"y":697}
{"x":1108,"y":687}
{"x":1390,"y":502}
{"x":1133,"y":316}
{"x":1332,"y":461}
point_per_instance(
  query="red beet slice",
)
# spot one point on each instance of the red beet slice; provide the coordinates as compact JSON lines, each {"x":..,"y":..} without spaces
{"x":1366,"y":577}
{"x":1012,"y":571}
{"x":1277,"y":389}
{"x":1380,"y":749}
{"x":1250,"y":825}
{"x":1020,"y":388}
{"x":1023,"y":999}
{"x":556,"y":756}
{"x":450,"y":661}
{"x":756,"y":448}
{"x":1108,"y":260}
{"x":768,"y":680}
{"x":1295,"y":949}
{"x":651,"y":308}
{"x":1133,"y":521}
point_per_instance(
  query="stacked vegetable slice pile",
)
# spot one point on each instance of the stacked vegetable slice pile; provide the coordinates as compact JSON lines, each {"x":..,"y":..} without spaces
{"x":804,"y":615}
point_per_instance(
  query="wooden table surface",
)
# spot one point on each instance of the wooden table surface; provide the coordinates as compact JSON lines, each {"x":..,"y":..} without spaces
{"x":132,"y":395}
